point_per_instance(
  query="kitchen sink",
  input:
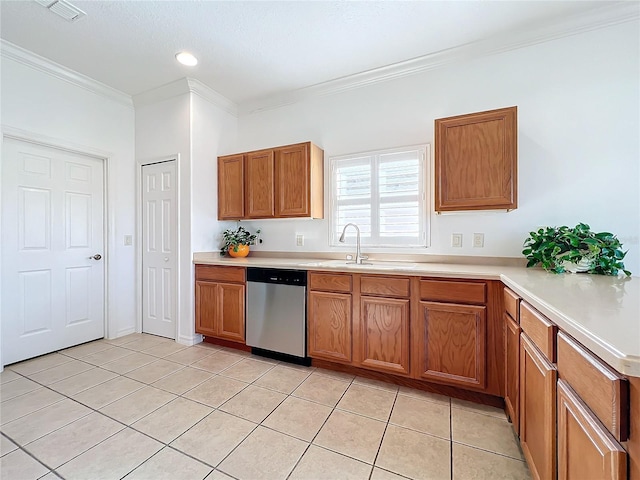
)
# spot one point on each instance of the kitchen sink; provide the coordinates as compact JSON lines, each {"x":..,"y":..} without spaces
{"x":369,"y":265}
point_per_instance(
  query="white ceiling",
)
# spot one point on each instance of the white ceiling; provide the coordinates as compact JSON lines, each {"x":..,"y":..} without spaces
{"x":251,"y":50}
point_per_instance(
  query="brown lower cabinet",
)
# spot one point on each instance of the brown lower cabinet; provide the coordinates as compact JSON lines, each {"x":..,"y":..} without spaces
{"x":586,"y":449}
{"x":330,"y":326}
{"x":537,"y":410}
{"x":384,"y":334}
{"x":220,"y":302}
{"x":383,"y":323}
{"x":452,"y":345}
{"x":512,"y":370}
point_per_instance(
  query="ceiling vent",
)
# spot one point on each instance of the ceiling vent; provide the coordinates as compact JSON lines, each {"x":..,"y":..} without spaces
{"x":63,"y":8}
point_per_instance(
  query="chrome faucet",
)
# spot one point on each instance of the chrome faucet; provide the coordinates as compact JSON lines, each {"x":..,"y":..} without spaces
{"x":359,"y":257}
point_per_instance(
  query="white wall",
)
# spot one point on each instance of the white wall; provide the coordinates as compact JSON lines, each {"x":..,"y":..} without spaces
{"x":579,"y":110}
{"x":62,"y":114}
{"x":213,"y":131}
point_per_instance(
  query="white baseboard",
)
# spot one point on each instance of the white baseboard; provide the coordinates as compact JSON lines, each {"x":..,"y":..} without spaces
{"x":189,"y":340}
{"x":123,"y":332}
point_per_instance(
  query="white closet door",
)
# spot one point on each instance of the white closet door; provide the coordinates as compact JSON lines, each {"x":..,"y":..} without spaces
{"x":159,"y":249}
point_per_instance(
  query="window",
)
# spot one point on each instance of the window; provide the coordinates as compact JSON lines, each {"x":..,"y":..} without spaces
{"x":383,"y":193}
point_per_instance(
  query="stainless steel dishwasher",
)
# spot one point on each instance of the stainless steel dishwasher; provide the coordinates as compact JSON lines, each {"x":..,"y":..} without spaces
{"x":276,"y":313}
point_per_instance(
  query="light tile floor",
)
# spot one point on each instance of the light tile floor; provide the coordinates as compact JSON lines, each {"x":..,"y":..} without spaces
{"x":144,"y":407}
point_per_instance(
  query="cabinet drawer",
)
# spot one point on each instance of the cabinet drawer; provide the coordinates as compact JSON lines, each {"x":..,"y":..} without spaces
{"x":456,"y":292}
{"x":585,"y":448}
{"x":604,"y":390}
{"x":329,"y":282}
{"x":541,"y":331}
{"x":512,"y":304}
{"x":218,"y":273}
{"x":386,"y":286}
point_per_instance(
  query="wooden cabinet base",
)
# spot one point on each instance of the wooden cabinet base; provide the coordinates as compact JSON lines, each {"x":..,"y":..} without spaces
{"x":633,"y":445}
{"x":446,"y":390}
{"x":227,"y":343}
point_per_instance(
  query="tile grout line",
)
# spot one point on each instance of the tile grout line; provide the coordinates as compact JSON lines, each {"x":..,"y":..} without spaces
{"x":375,"y":459}
{"x":321,"y":426}
{"x":450,"y":440}
{"x":20,"y":447}
{"x":93,"y":410}
{"x":261,"y":422}
{"x":489,"y":451}
{"x":202,"y":419}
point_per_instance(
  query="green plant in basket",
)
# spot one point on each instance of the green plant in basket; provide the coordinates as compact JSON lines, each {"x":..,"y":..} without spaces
{"x":577,"y":249}
{"x":234,"y":238}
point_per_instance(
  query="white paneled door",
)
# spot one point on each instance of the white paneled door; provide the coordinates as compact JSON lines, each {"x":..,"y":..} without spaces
{"x":159,"y":249}
{"x":52,"y":249}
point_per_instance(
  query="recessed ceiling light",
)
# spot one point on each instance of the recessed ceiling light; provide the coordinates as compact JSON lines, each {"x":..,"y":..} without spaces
{"x":185,"y":58}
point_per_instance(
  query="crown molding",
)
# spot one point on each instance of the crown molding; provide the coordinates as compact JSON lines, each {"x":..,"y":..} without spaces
{"x":184,"y":86}
{"x":616,"y":13}
{"x":161,"y":93}
{"x":32,"y":60}
{"x":198,"y":88}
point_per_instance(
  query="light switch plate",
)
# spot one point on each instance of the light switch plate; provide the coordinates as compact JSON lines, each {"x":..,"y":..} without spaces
{"x":128,"y":240}
{"x":456,"y":240}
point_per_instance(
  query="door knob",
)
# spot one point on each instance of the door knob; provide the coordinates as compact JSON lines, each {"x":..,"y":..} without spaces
{"x":166,"y":259}
{"x":97,"y":256}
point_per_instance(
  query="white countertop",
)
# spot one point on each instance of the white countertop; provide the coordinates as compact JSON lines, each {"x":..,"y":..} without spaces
{"x":601,"y":312}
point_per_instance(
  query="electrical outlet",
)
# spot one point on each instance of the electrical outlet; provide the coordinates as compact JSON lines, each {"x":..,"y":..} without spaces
{"x":456,"y":240}
{"x":128,"y":240}
{"x":299,"y":240}
{"x":478,"y":240}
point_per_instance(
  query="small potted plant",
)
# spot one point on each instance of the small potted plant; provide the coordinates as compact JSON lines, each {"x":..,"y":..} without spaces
{"x":577,"y":249}
{"x":236,"y":241}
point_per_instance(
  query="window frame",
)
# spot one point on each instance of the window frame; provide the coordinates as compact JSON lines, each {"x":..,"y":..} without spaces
{"x":370,"y":157}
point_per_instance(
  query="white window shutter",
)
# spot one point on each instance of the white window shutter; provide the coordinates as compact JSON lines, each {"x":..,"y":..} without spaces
{"x":383,"y":193}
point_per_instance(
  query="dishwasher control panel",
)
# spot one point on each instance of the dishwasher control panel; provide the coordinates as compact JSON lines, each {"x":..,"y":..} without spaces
{"x":277,"y":275}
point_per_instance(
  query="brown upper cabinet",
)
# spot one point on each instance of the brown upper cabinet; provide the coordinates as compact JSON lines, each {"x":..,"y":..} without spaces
{"x":281,"y":182}
{"x":259,"y":184}
{"x":231,"y":187}
{"x":476,"y":161}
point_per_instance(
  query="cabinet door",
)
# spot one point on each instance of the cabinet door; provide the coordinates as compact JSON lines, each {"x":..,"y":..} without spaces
{"x":384,"y":334}
{"x":292,"y":181}
{"x":230,"y":325}
{"x":231,"y":187}
{"x":476,"y":161}
{"x":452,"y":346}
{"x":259,"y":184}
{"x":537,"y":410}
{"x":585,"y":448}
{"x":206,"y":308}
{"x":512,"y":370}
{"x":330,"y":328}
